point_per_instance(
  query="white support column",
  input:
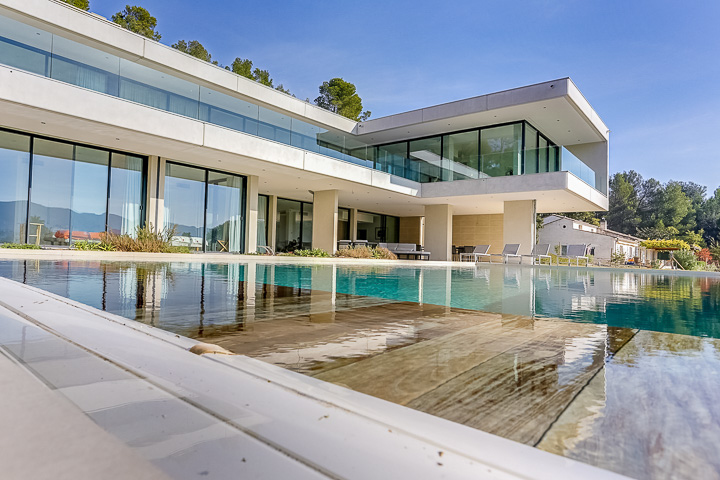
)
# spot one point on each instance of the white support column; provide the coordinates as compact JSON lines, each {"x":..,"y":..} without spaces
{"x":155,"y":205}
{"x":353,"y":224}
{"x":438,"y":231}
{"x":251,"y":214}
{"x":519,"y":224}
{"x":272,"y":221}
{"x":325,"y":218}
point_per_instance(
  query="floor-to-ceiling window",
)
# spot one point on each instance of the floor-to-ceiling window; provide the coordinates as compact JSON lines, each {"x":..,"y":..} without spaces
{"x":206,"y":208}
{"x":293,"y":225}
{"x":77,"y":192}
{"x":262,"y":225}
{"x":225,"y":212}
{"x":15,"y":171}
{"x":376,"y":227}
{"x":127,"y":191}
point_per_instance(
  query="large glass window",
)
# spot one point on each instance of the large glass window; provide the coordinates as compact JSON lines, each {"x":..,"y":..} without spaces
{"x":225,"y":212}
{"x":500,"y":150}
{"x":205,"y":207}
{"x":426,"y":162}
{"x":531,"y":149}
{"x":262,"y":225}
{"x":293,"y":225}
{"x":69,"y":192}
{"x":185,"y":204}
{"x":15,"y":170}
{"x":460,"y":155}
{"x":376,"y":227}
{"x":127,"y":192}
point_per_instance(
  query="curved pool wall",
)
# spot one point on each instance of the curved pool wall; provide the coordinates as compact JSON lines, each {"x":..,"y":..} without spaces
{"x":225,"y":292}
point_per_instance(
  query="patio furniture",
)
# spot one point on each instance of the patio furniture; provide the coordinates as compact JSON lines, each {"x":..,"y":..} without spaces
{"x":344,"y":244}
{"x":540,"y":251}
{"x":406,"y":249}
{"x":268,"y":250}
{"x":510,"y":250}
{"x":478,"y":251}
{"x":577,"y":252}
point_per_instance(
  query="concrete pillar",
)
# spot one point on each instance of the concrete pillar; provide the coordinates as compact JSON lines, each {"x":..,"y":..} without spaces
{"x":438,"y":231}
{"x":353,"y":224}
{"x":155,"y":205}
{"x":251,"y":214}
{"x":272,"y":221}
{"x":519,"y":224}
{"x":325,"y":218}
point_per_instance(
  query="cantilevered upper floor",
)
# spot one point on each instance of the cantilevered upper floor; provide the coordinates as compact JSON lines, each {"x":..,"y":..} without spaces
{"x":71,"y":74}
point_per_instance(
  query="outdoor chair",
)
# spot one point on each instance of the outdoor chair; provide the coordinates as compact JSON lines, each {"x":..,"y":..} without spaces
{"x":477,"y":252}
{"x":510,"y":250}
{"x":268,"y":250}
{"x":343,"y":244}
{"x":540,"y":251}
{"x":576,"y":252}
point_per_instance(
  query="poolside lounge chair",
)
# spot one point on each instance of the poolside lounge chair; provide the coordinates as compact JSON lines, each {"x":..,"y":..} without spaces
{"x":267,"y":250}
{"x":343,"y":244}
{"x":539,"y":252}
{"x":478,"y":251}
{"x":510,"y":250}
{"x":577,"y":252}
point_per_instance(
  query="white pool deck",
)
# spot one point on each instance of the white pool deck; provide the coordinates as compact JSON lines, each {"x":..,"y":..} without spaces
{"x":87,"y":394}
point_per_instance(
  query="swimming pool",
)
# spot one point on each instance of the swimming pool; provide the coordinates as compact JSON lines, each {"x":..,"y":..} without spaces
{"x":216,"y":294}
{"x":616,"y":368}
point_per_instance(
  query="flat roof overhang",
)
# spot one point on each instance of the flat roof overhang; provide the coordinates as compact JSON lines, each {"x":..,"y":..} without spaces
{"x":47,"y":107}
{"x":556,"y":108}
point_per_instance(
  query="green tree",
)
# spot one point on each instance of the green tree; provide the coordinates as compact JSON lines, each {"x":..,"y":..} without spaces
{"x":341,"y":97}
{"x":194,"y":48}
{"x":138,"y":20}
{"x":244,"y":67}
{"x":708,"y":216}
{"x":623,"y":213}
{"x":81,"y":4}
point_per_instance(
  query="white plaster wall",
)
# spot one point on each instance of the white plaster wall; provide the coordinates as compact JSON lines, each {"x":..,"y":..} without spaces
{"x":555,"y":234}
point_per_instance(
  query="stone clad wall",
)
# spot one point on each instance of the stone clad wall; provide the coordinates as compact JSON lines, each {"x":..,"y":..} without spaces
{"x":479,"y":230}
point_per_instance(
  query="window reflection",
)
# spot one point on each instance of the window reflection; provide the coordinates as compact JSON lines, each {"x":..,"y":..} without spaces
{"x":15,"y":167}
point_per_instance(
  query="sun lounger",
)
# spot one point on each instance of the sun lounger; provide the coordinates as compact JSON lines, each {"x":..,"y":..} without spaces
{"x":576,"y":252}
{"x":478,"y":251}
{"x":510,"y":250}
{"x":540,"y":251}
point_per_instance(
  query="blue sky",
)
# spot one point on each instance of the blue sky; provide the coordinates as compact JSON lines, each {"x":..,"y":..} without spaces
{"x":649,"y":68}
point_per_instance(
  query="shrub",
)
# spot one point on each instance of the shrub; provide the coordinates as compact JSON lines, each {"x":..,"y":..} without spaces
{"x":617,"y":258}
{"x":315,"y":252}
{"x":361,"y":251}
{"x":20,"y":246}
{"x":704,"y":255}
{"x":97,"y":246}
{"x":383,"y":253}
{"x":146,"y":239}
{"x":686,"y":259}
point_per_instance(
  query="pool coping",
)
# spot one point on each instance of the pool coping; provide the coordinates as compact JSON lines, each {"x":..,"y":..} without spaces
{"x":466,"y":451}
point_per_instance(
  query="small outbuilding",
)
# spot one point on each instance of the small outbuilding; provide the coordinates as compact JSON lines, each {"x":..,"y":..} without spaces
{"x":603,"y":242}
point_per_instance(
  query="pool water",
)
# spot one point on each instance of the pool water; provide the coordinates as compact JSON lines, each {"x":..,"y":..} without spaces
{"x":619,"y":369}
{"x":209,"y":293}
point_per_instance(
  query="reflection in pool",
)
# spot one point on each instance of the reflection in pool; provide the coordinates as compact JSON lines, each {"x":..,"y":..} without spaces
{"x":199,"y":296}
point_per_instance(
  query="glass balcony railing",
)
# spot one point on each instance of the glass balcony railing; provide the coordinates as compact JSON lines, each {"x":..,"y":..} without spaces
{"x":491,"y":153}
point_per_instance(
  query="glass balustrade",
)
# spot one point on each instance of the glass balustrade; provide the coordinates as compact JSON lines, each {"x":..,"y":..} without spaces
{"x":512,"y":149}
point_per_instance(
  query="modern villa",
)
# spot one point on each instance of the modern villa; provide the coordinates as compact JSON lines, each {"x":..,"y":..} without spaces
{"x":105,"y":130}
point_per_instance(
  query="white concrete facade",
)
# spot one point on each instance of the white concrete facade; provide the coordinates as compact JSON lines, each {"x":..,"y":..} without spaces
{"x":42,"y":105}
